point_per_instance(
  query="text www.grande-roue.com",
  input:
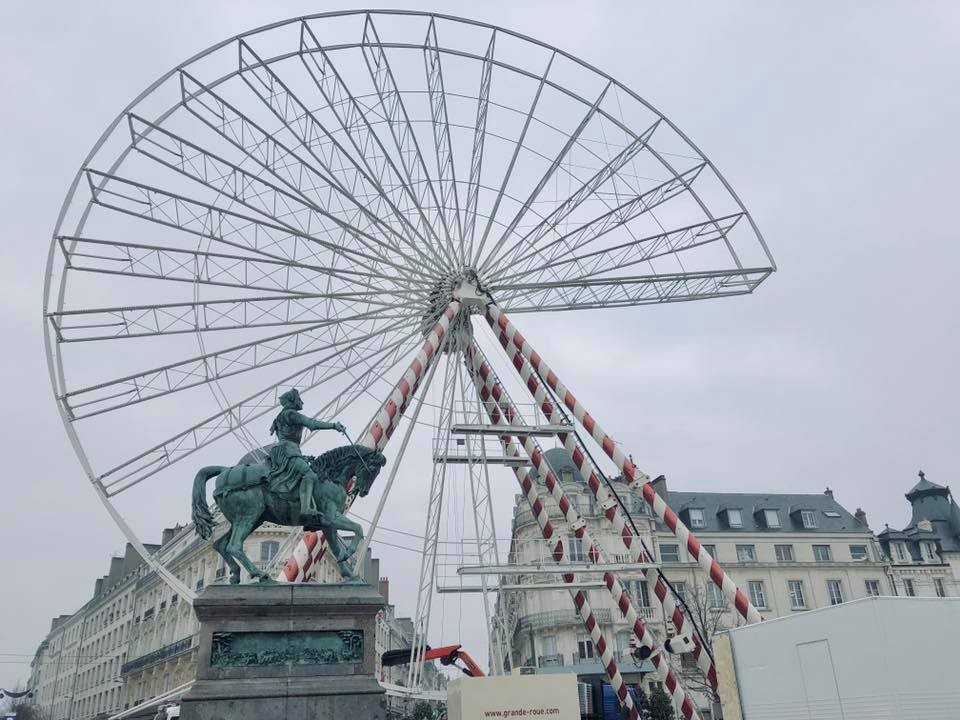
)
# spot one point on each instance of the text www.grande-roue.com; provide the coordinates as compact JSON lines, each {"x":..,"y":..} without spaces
{"x":522,"y":712}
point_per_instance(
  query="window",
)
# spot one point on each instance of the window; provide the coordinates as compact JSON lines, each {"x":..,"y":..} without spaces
{"x":735,"y":518}
{"x":715,"y":598}
{"x":797,"y":600}
{"x":669,"y":553}
{"x":642,"y":593}
{"x":268,"y":550}
{"x":757,"y":596}
{"x":680,"y":588}
{"x":858,"y":552}
{"x":771,"y":518}
{"x":901,"y":550}
{"x":821,"y":553}
{"x":873,"y":588}
{"x":808,"y":518}
{"x":929,"y":551}
{"x":835,"y":591}
{"x":696,"y":518}
{"x":784,"y":553}
{"x":575,"y":549}
{"x":623,"y":643}
{"x":566,"y":477}
{"x":584,"y":647}
{"x":832,"y":513}
{"x":712,"y":549}
{"x":908,"y":588}
{"x":938,"y":587}
{"x":548,"y":645}
{"x":746,"y":553}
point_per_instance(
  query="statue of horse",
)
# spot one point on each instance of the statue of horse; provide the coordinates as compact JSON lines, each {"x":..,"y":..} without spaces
{"x":244,"y":496}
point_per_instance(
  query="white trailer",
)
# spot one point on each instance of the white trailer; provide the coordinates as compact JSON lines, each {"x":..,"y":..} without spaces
{"x":879,"y":658}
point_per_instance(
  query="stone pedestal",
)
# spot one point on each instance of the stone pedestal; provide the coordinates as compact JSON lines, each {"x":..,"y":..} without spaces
{"x":287,"y":651}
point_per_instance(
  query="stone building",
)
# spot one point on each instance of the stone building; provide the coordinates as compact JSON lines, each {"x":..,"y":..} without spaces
{"x":789,"y":552}
{"x":76,"y":669}
{"x":924,"y":557}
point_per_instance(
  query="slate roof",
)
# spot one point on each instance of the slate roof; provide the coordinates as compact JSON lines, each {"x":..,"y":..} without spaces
{"x":715,"y":505}
{"x":787,"y":505}
{"x":932,"y":503}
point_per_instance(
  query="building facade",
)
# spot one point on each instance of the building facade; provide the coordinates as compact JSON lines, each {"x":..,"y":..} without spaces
{"x":924,"y":557}
{"x":790,"y":553}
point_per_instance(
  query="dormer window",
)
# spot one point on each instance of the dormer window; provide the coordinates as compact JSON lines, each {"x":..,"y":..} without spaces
{"x":735,"y":517}
{"x":771,"y":518}
{"x":809,"y":519}
{"x":929,"y":551}
{"x":696,"y":518}
{"x":901,"y":551}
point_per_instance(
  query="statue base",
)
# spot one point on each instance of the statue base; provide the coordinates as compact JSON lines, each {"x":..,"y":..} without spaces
{"x":292,"y":651}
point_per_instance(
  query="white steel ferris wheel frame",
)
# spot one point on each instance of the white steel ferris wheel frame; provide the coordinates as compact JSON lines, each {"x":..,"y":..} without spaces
{"x":338,"y":221}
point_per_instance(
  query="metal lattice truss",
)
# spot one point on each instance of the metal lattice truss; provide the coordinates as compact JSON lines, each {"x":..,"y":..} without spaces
{"x":299,"y":205}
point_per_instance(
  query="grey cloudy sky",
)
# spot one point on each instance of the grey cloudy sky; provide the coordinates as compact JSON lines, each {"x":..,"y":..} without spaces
{"x":836,"y":124}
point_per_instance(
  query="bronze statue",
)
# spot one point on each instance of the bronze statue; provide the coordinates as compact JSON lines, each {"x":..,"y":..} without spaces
{"x":289,"y":489}
{"x":289,"y":469}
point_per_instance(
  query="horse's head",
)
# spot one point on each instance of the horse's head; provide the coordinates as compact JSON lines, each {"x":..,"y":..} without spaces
{"x":367,"y":471}
{"x":342,"y":463}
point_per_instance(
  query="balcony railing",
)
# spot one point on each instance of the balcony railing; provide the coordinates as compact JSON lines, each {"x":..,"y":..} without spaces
{"x":555,"y":618}
{"x":168,"y":651}
{"x":550,"y":660}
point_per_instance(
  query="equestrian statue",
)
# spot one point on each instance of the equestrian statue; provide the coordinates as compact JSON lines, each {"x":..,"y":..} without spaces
{"x":279,"y":484}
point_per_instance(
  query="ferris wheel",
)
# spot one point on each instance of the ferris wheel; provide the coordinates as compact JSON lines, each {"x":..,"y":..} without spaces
{"x":359,"y":205}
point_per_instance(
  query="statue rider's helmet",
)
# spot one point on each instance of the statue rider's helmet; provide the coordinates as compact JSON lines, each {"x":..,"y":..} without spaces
{"x":291,"y":400}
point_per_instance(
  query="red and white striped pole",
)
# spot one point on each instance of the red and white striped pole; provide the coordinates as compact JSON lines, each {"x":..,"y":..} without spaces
{"x":313,"y":546}
{"x":605,"y":501}
{"x":500,"y":411}
{"x":508,"y":333}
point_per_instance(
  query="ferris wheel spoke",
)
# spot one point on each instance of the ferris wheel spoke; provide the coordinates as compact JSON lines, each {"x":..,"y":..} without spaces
{"x":568,"y":206}
{"x":513,"y":158}
{"x":627,"y":291}
{"x":476,"y":152}
{"x":356,"y":125}
{"x":609,"y":221}
{"x":572,"y":140}
{"x":312,"y":135}
{"x":230,"y":181}
{"x":234,"y":417}
{"x":446,"y":173}
{"x":234,"y":229}
{"x":415,"y":171}
{"x":111,"y":257}
{"x":618,"y":257}
{"x":112,"y":323}
{"x":209,"y":367}
{"x":275,"y":157}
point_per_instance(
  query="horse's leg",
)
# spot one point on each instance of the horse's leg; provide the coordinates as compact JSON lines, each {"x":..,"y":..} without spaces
{"x":342,"y":522}
{"x":248,"y":506}
{"x":220,"y":545}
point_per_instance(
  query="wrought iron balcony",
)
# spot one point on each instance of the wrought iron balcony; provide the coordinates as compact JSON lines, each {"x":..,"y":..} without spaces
{"x":556,"y":618}
{"x":168,"y":651}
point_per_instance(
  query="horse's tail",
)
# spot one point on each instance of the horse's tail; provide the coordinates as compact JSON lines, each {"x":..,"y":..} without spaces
{"x":202,"y":517}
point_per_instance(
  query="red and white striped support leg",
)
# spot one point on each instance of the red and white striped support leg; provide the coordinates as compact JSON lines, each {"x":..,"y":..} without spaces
{"x":508,"y":333}
{"x":500,"y":410}
{"x":312,"y":546}
{"x":609,"y":505}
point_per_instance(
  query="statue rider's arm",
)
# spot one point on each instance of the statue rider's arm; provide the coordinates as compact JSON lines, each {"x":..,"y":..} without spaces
{"x":311,"y":424}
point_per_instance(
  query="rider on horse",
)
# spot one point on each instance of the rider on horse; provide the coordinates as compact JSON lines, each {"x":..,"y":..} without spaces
{"x":289,"y":469}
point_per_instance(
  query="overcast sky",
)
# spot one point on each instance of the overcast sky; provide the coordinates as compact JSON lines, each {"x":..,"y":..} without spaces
{"x":835,"y":122}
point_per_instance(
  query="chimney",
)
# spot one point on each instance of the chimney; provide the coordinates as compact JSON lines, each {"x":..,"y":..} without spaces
{"x":660,"y":486}
{"x":861,"y":517}
{"x":829,"y":493}
{"x":167,"y":536}
{"x":98,"y":586}
{"x":384,"y":589}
